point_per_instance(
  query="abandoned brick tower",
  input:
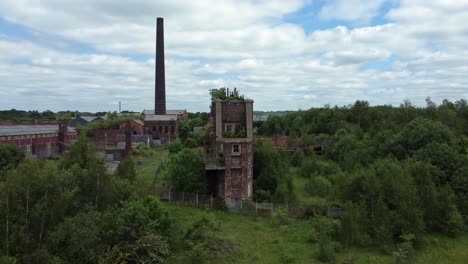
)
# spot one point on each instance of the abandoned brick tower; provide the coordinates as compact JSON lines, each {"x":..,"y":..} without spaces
{"x":229,"y":166}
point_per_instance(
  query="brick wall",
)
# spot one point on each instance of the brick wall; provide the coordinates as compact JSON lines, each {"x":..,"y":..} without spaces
{"x":233,"y":112}
{"x":99,"y":137}
{"x":154,"y":127}
{"x":238,"y":171}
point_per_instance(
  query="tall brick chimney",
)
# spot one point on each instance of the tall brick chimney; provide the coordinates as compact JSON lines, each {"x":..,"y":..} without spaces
{"x":160,"y":83}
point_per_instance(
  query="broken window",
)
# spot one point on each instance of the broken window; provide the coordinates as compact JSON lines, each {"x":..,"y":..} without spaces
{"x":236,"y":149}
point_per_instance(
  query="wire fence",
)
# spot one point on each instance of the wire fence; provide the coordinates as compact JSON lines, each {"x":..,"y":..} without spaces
{"x":237,"y":206}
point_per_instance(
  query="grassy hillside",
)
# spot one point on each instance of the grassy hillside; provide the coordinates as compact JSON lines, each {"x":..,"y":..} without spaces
{"x":261,"y":240}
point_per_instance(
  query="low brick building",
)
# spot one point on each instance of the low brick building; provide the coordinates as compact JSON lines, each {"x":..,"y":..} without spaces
{"x":39,"y":141}
{"x":229,"y":156}
{"x":164,"y":128}
{"x":112,"y":141}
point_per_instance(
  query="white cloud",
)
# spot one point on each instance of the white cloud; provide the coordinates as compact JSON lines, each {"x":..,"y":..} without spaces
{"x":210,"y":44}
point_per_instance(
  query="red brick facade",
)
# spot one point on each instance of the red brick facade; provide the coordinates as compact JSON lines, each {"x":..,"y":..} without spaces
{"x":233,"y":179}
{"x":41,"y":141}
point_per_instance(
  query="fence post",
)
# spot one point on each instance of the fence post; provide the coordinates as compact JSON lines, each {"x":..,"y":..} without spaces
{"x":169,"y":195}
{"x":211,"y":201}
{"x":241,"y":204}
{"x":271,"y":209}
{"x":256,"y":208}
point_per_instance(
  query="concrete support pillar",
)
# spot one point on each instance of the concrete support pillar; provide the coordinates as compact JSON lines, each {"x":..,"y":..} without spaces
{"x":249,"y":118}
{"x":219,"y":121}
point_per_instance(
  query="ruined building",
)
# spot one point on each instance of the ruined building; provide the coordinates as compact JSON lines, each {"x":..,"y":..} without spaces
{"x":162,"y":124}
{"x":39,"y":140}
{"x":229,"y":155}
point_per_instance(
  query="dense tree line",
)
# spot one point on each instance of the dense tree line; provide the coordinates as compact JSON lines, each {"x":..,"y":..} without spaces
{"x":398,"y":172}
{"x":72,"y":211}
{"x":27,"y":116}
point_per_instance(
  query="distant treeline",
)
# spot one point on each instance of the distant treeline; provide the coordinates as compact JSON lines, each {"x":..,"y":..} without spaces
{"x":34,"y":115}
{"x":367,"y":119}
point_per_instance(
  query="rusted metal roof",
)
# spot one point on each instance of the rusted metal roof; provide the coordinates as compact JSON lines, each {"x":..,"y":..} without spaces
{"x":160,"y":117}
{"x":10,"y":130}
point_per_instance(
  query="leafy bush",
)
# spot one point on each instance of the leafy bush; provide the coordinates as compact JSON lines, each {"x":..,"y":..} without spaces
{"x":318,"y":186}
{"x":127,"y":169}
{"x":78,"y":239}
{"x":189,"y":177}
{"x":297,"y":158}
{"x":455,"y":224}
{"x":10,"y":156}
{"x":202,"y":230}
{"x":280,"y":217}
{"x":327,"y":250}
{"x":175,"y":146}
{"x":404,"y":249}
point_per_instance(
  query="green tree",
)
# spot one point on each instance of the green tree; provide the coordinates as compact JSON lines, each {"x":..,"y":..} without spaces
{"x":270,"y":173}
{"x":359,"y":112}
{"x":10,"y":156}
{"x":186,"y":171}
{"x":127,"y":169}
{"x":94,"y":183}
{"x":79,"y":239}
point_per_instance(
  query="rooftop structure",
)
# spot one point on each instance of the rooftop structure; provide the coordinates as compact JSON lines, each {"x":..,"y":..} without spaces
{"x":84,"y":120}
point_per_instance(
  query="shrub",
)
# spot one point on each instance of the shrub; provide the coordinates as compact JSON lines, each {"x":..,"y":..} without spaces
{"x":318,"y":186}
{"x":404,"y":249}
{"x":175,"y":146}
{"x":297,"y":158}
{"x":280,"y":217}
{"x":454,"y":223}
{"x":327,"y":250}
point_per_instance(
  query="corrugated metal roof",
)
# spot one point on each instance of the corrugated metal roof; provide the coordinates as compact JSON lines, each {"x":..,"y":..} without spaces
{"x":168,"y":112}
{"x":160,"y":117}
{"x":175,"y":112}
{"x":11,"y":130}
{"x":89,"y":118}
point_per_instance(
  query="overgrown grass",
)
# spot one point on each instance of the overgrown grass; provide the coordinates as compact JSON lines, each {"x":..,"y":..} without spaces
{"x":262,"y":241}
{"x":146,"y":167}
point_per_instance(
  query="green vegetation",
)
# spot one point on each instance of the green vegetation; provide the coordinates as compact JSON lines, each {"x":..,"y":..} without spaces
{"x":263,"y":240}
{"x":222,"y":94}
{"x":10,"y":156}
{"x":112,"y":121}
{"x":185,"y":171}
{"x":399,"y":174}
{"x":27,"y":116}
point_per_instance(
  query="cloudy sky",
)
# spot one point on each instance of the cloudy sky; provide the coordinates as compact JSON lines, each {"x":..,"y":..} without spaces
{"x":90,"y":54}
